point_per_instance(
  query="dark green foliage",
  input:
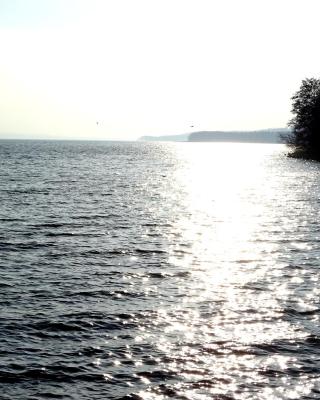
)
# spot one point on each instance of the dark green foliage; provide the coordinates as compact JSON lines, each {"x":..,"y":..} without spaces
{"x":305,"y":135}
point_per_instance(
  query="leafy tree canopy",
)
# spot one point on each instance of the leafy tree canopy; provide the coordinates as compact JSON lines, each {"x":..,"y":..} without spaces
{"x":305,"y":134}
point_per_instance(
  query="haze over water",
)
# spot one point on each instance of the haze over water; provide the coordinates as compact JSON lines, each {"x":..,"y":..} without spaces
{"x":156,"y":270}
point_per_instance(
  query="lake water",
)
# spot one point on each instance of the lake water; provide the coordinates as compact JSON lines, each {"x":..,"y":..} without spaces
{"x":157,"y":271}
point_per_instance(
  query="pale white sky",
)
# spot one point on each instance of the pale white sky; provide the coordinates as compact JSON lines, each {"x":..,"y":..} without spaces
{"x":152,"y":67}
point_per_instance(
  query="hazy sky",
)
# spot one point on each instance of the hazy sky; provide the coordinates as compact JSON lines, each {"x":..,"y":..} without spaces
{"x":152,"y":67}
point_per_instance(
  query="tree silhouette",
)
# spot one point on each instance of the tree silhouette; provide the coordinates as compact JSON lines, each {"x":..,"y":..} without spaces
{"x":305,"y":134}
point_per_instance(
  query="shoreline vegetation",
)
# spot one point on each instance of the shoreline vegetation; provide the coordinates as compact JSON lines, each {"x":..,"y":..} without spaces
{"x":304,"y":137}
{"x":303,"y":155}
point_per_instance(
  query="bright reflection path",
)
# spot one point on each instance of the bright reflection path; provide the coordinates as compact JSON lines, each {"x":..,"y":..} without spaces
{"x":239,"y":236}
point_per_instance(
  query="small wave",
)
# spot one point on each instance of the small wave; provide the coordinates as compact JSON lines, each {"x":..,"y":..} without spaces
{"x":6,"y":285}
{"x":56,"y":326}
{"x":300,"y":313}
{"x":91,"y":351}
{"x":158,"y":275}
{"x":12,"y":246}
{"x":255,"y":287}
{"x":182,"y":274}
{"x":11,"y":219}
{"x":158,"y":375}
{"x":73,"y":234}
{"x":53,"y":374}
{"x":53,"y":225}
{"x":27,"y":191}
{"x":131,"y":396}
{"x":313,"y":340}
{"x":93,"y":217}
{"x":150,"y":251}
{"x":105,"y":293}
{"x":104,"y":252}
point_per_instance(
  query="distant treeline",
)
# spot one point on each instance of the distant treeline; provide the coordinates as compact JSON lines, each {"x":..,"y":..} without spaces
{"x":259,"y":136}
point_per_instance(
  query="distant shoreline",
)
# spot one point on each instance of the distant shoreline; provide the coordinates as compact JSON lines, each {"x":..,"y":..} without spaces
{"x":257,"y":136}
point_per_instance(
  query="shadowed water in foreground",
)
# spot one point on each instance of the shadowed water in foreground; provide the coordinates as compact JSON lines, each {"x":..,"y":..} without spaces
{"x":154,"y":271}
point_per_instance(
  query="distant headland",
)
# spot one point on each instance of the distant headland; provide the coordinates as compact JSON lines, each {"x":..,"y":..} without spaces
{"x":167,"y":138}
{"x":258,"y":136}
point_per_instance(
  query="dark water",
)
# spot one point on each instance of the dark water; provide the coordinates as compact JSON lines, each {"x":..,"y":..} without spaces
{"x":157,"y":271}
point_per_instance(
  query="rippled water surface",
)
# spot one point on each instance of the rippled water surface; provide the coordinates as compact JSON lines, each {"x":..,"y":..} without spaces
{"x":157,"y":271}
